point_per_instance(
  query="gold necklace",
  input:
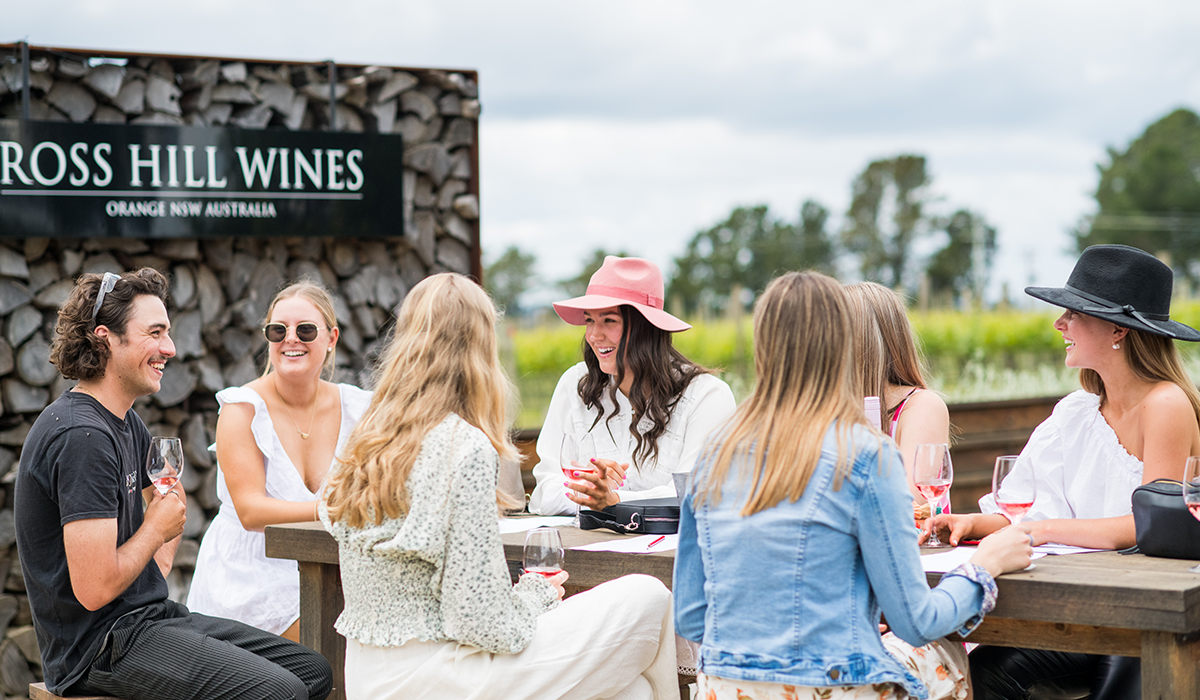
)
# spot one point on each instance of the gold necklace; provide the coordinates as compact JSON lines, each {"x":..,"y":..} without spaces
{"x":312,"y":416}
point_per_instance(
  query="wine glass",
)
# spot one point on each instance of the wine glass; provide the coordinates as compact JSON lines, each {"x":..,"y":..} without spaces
{"x":573,"y":456}
{"x":1191,"y":492}
{"x":1014,"y":495}
{"x":543,"y":552}
{"x":932,"y":474}
{"x":164,"y":464}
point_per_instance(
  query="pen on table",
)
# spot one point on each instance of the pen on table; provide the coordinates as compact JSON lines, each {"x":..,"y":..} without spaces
{"x":660,"y":539}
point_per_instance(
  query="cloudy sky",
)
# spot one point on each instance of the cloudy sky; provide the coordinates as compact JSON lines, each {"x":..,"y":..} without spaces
{"x":634,"y":124}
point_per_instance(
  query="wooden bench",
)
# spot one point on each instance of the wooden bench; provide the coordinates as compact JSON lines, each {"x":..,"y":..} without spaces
{"x":37,"y":691}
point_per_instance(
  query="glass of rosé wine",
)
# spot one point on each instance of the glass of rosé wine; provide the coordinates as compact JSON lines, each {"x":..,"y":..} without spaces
{"x":1191,"y":492}
{"x":574,"y":458}
{"x":164,"y":464}
{"x":543,"y":552}
{"x":933,"y":473}
{"x":1014,"y":493}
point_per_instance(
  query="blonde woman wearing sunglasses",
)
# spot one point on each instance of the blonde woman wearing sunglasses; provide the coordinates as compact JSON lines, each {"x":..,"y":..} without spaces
{"x":276,"y":438}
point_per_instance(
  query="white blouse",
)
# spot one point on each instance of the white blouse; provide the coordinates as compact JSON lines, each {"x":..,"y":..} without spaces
{"x":705,"y":405}
{"x":1081,"y":468}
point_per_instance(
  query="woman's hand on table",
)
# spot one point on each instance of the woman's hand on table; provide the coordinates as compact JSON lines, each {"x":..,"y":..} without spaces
{"x":956,"y":528}
{"x":1007,"y":549}
{"x":597,"y":489}
{"x":950,"y":528}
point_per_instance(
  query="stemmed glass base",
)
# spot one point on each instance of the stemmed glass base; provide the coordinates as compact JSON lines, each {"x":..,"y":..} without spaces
{"x":1195,"y":569}
{"x":934,"y":542}
{"x":932,"y":474}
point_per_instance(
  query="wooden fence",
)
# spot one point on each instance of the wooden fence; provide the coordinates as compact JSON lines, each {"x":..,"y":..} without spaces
{"x":981,"y":432}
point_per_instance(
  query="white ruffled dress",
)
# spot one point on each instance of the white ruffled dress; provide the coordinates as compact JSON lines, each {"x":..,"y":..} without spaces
{"x":234,"y":578}
{"x":1081,"y":468}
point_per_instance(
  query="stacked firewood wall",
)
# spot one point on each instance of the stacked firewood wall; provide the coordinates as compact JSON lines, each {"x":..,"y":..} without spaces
{"x":220,"y":287}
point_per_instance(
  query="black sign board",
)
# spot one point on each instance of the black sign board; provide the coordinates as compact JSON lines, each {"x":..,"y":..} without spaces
{"x":65,"y":180}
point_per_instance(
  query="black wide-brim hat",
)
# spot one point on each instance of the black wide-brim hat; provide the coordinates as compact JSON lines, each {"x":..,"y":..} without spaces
{"x":1121,"y":285}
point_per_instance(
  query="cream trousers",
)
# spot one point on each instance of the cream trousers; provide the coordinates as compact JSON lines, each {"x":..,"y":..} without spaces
{"x":613,"y":641}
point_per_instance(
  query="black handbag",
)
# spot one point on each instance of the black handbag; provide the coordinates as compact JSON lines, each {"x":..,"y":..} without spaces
{"x":1164,"y":526}
{"x":654,"y":516}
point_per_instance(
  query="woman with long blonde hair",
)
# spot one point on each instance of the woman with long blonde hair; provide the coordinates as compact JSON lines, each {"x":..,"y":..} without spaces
{"x":276,"y":437}
{"x":889,"y":366}
{"x":430,"y":611}
{"x":796,"y":530}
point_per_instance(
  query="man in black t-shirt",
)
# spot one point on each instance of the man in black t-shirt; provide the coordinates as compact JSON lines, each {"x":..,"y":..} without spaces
{"x":94,"y":560}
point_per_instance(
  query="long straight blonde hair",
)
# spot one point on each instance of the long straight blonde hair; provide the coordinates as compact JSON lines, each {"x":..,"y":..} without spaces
{"x":899,"y":363}
{"x":1153,"y":358}
{"x":802,"y":363}
{"x":442,"y":359}
{"x":868,"y":365}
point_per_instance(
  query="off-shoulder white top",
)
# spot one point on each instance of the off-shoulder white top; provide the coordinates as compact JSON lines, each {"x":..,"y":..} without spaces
{"x":1081,"y":468}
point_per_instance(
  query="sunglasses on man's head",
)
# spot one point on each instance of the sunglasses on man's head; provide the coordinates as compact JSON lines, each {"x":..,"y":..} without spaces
{"x":305,"y":332}
{"x":107,"y":284}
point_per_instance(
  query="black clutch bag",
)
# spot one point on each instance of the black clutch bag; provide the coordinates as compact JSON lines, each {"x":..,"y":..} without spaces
{"x":1165,"y":528}
{"x":654,"y":516}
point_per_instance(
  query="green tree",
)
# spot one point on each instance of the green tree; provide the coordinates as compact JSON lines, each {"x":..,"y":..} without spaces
{"x":885,"y":216}
{"x":817,"y":248}
{"x":748,"y":250}
{"x":510,"y":276}
{"x":966,"y":260}
{"x":718,"y":259}
{"x":577,"y":286}
{"x":1149,"y":195}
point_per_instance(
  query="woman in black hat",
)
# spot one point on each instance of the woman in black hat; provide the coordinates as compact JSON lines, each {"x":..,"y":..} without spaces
{"x":1136,"y":419}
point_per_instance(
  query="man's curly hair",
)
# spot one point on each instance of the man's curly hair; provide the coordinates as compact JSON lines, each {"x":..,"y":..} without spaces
{"x":77,"y":351}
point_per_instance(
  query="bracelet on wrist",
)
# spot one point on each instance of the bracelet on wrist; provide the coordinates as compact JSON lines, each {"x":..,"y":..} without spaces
{"x":977,"y":574}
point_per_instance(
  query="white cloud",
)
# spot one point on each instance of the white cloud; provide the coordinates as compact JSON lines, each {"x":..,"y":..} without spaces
{"x":561,"y":188}
{"x":632,"y":123}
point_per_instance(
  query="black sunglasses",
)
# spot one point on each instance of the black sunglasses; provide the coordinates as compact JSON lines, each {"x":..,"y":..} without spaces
{"x":305,"y":332}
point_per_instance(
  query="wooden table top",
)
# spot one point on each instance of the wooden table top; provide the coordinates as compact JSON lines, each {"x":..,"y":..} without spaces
{"x":1103,"y":589}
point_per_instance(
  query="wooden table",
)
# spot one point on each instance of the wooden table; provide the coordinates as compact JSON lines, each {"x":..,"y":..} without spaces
{"x":1101,"y":603}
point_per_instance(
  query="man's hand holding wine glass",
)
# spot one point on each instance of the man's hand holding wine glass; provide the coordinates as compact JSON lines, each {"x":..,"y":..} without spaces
{"x":167,"y":507}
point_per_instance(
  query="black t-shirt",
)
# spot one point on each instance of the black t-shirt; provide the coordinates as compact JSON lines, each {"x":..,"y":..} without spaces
{"x":79,"y":462}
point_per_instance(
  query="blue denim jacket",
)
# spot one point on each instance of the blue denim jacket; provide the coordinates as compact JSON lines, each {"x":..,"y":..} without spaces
{"x":793,"y":593}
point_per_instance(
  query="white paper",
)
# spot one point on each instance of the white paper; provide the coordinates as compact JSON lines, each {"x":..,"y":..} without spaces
{"x":942,"y":562}
{"x":635,"y":545}
{"x":1054,"y":548}
{"x":511,"y":525}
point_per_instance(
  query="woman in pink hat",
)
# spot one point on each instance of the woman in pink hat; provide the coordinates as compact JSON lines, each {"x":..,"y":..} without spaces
{"x":647,"y":408}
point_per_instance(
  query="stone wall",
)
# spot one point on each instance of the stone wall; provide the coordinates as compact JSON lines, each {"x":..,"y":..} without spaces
{"x":220,"y":287}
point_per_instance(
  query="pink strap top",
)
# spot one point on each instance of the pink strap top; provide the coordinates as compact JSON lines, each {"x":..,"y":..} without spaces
{"x":896,"y":414}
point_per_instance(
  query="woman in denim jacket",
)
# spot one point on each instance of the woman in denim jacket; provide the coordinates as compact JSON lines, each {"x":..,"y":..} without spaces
{"x":796,"y":530}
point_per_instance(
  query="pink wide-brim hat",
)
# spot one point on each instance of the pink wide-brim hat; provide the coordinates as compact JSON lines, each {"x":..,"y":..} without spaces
{"x":623,"y":281}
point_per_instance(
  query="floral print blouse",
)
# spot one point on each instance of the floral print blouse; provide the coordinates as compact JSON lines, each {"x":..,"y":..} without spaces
{"x":438,"y":573}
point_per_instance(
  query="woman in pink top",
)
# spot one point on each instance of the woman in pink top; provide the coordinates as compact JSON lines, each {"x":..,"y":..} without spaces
{"x":889,"y":366}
